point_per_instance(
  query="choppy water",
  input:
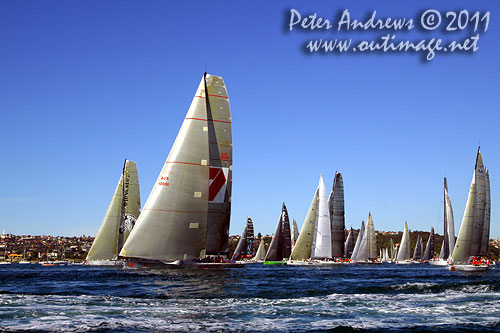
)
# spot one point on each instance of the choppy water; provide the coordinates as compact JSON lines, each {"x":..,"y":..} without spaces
{"x":254,"y":298}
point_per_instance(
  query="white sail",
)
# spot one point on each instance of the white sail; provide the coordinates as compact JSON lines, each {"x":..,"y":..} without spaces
{"x":261,"y":251}
{"x":303,"y":246}
{"x":471,"y":229}
{"x":187,"y":213}
{"x":368,"y":247}
{"x":449,"y":220}
{"x":295,"y":232}
{"x":404,"y":248}
{"x":349,"y":244}
{"x":487,"y":212}
{"x":322,"y":246}
{"x":359,"y":240}
{"x":122,"y":213}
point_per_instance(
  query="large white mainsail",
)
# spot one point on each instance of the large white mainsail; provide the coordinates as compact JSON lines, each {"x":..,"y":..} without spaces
{"x":472,"y":227}
{"x":187,"y":213}
{"x":322,"y":246}
{"x":303,"y":246}
{"x":122,"y":213}
{"x":404,"y":247}
{"x":337,"y":216}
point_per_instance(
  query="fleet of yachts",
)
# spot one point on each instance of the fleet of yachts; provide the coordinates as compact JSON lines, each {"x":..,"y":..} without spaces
{"x":185,"y":221}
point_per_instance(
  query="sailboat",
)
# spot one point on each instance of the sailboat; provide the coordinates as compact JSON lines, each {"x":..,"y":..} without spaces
{"x":119,"y":220}
{"x":281,"y":246}
{"x":322,"y":245}
{"x":472,"y":243}
{"x":185,"y":221}
{"x":403,"y":256}
{"x":24,"y":261}
{"x":337,"y":217}
{"x":448,"y":231}
{"x":245,"y":248}
{"x":385,"y":255}
{"x":429,"y":248}
{"x":367,"y":252}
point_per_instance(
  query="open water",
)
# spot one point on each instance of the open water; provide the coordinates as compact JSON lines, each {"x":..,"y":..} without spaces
{"x":254,"y":298}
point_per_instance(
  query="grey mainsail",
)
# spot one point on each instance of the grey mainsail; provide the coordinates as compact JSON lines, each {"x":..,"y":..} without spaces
{"x":404,"y":247}
{"x":303,"y":246}
{"x":280,"y":247}
{"x":349,"y":244}
{"x":359,"y":240}
{"x":337,"y":216}
{"x":417,"y":253}
{"x":429,"y":248}
{"x":295,"y":232}
{"x":445,"y":246}
{"x":246,"y":243}
{"x":120,"y":218}
{"x":187,"y":213}
{"x":472,"y":227}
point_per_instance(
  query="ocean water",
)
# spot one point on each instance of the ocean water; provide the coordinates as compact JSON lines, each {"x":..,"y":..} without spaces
{"x":255,"y":298}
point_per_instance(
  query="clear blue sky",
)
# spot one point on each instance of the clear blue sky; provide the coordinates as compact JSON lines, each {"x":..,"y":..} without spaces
{"x":85,"y":84}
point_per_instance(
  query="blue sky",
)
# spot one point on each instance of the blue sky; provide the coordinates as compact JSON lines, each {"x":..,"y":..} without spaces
{"x":85,"y":84}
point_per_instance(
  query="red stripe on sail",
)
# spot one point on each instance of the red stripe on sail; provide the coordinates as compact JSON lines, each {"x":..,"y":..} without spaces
{"x":218,"y":180}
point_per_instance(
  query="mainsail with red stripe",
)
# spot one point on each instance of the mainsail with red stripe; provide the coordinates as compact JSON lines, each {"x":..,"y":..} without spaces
{"x":187,"y":214}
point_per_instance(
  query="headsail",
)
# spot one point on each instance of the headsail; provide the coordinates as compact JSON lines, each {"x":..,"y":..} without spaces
{"x":187,"y":213}
{"x":417,"y":253}
{"x":429,"y":248}
{"x":368,"y":247}
{"x":295,"y":232}
{"x":337,"y":216}
{"x":359,"y":240}
{"x":303,"y":246}
{"x":261,"y":251}
{"x":349,"y":244}
{"x":120,"y":217}
{"x":450,"y":224}
{"x":322,"y":246}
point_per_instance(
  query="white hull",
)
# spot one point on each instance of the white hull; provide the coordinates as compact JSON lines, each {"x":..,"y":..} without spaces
{"x":104,"y":263}
{"x":5,"y":263}
{"x":300,"y":263}
{"x":468,"y":268}
{"x":404,"y":262}
{"x":438,"y":262}
{"x":24,"y":262}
